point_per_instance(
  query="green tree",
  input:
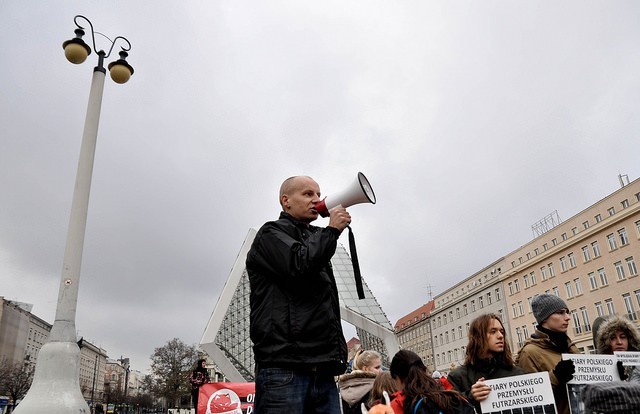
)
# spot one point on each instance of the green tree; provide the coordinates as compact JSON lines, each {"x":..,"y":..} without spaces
{"x":15,"y":380}
{"x":170,"y":368}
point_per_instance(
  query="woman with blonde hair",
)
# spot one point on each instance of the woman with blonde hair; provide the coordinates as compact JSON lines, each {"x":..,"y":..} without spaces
{"x":356,"y":385}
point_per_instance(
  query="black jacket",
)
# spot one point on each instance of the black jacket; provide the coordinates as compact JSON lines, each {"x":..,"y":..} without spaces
{"x":295,"y":312}
{"x":463,"y":377}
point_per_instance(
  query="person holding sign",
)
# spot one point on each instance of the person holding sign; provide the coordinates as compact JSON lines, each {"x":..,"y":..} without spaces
{"x":619,"y":334}
{"x":543,"y":351}
{"x":488,"y":356}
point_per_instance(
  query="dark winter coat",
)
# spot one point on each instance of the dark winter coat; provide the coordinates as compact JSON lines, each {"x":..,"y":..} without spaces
{"x":464,"y":376}
{"x":295,"y":312}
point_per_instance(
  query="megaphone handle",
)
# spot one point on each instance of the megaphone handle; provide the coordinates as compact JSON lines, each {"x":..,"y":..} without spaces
{"x":356,"y":264}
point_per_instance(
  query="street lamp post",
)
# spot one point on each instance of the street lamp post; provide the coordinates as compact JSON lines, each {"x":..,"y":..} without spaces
{"x":56,"y":386}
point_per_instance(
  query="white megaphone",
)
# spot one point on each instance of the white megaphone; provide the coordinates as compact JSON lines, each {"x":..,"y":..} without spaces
{"x":359,"y":192}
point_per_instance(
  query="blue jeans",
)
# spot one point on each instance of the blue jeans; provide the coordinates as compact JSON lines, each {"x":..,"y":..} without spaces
{"x":281,"y":390}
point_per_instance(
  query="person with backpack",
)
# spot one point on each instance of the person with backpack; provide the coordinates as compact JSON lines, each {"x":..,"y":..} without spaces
{"x":419,"y":392}
{"x":488,"y":356}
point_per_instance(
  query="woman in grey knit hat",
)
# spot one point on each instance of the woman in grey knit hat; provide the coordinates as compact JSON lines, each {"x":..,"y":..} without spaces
{"x":543,"y":351}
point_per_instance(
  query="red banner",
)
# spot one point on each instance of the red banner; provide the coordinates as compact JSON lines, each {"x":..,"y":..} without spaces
{"x":226,"y":397}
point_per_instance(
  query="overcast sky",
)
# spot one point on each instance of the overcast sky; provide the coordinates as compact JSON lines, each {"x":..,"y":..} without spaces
{"x":472,"y":120}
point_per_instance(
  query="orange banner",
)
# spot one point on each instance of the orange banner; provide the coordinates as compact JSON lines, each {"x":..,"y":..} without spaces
{"x":226,"y":398}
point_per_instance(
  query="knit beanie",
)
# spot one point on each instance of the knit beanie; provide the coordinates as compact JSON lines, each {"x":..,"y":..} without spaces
{"x":544,"y":305}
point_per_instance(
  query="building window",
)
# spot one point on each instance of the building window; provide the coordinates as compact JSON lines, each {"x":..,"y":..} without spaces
{"x":596,"y":249}
{"x":563,"y":264}
{"x":520,"y":308}
{"x":510,"y":288}
{"x":536,"y":251}
{"x":460,"y":332}
{"x":489,"y":301}
{"x":585,"y":319}
{"x":564,"y":236}
{"x":554,"y":241}
{"x":586,"y":254}
{"x":439,"y":321}
{"x":519,"y":336}
{"x":543,"y":273}
{"x":619,"y":270}
{"x":631,"y":264}
{"x":525,"y":278}
{"x":625,"y":203}
{"x":516,"y":285}
{"x":572,"y":260}
{"x":465,"y":310}
{"x":603,"y":277}
{"x":529,"y":300}
{"x":628,"y":304}
{"x":514,"y":310}
{"x":458,"y":312}
{"x":444,"y":318}
{"x":598,"y":218}
{"x":610,"y":308}
{"x":585,"y":224}
{"x":473,"y":306}
{"x":481,"y":302}
{"x":574,"y":231}
{"x":569,"y":290}
{"x":578,"y":285}
{"x":576,"y":322}
{"x":624,"y":239}
{"x":555,"y":291}
{"x":637,"y":293}
{"x":599,"y":310}
{"x":593,"y":282}
{"x":638,"y":227}
{"x":611,"y":211}
{"x":612,"y":242}
{"x":545,"y":247}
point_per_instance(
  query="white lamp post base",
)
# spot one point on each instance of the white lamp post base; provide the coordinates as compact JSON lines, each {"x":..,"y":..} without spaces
{"x":56,"y":384}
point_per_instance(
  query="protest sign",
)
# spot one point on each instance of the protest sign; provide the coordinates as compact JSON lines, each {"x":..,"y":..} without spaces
{"x":226,"y":397}
{"x":593,"y":368}
{"x":589,"y":369}
{"x":628,"y":357}
{"x":529,"y":392}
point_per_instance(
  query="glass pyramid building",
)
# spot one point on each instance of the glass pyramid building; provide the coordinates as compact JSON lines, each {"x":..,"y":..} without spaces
{"x":226,"y":337}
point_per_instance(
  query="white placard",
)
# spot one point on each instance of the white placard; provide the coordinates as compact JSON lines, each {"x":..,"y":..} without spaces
{"x":593,"y":368}
{"x":520,"y":391}
{"x":628,"y":357}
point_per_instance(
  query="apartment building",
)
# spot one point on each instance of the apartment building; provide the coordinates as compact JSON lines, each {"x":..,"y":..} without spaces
{"x":589,"y":260}
{"x":457,"y":306}
{"x":414,"y":333}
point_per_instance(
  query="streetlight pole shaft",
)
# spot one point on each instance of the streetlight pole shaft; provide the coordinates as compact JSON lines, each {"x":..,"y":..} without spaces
{"x":56,"y":384}
{"x":64,"y":325}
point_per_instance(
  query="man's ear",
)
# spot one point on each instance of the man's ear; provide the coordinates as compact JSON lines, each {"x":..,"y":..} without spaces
{"x":284,"y":200}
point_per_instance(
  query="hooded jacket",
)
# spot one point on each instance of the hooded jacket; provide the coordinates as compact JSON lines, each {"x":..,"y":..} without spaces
{"x":608,"y":329}
{"x":295,"y":313}
{"x":355,"y":388}
{"x":539,"y":354}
